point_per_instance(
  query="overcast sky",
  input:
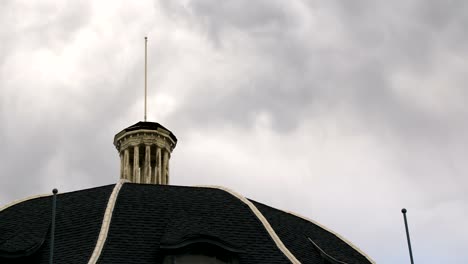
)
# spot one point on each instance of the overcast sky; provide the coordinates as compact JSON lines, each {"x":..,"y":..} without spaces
{"x":342,"y":111}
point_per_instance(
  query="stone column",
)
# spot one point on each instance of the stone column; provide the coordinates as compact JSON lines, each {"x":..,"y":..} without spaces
{"x":126,"y":166}
{"x":148,"y":178}
{"x":164,"y":167}
{"x":122,"y":165}
{"x":167,"y":169}
{"x":136,"y":163}
{"x":147,"y":173}
{"x":131,"y":177}
{"x":144,"y":152}
{"x":158,"y":177}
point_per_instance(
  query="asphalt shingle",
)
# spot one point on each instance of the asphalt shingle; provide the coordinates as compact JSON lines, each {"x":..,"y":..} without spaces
{"x":147,"y":219}
{"x":295,"y":231}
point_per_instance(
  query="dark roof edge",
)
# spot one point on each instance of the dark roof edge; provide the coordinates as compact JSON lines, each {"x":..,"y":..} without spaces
{"x":146,"y":125}
{"x":348,"y":242}
{"x":37,"y":196}
{"x":18,"y":201}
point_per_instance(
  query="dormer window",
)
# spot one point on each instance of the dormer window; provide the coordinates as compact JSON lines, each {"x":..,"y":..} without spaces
{"x":200,"y":253}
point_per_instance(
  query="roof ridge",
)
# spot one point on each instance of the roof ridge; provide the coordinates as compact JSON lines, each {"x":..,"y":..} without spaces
{"x":279,"y":243}
{"x":106,"y":222}
{"x":37,"y":196}
{"x":329,"y":230}
{"x":17,"y":201}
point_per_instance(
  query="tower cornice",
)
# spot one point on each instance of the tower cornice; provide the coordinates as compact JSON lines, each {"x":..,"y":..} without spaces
{"x":145,"y":149}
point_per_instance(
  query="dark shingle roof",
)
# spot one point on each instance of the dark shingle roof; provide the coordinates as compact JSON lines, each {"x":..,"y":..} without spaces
{"x":148,"y":218}
{"x":147,"y":126}
{"x":295,"y":233}
{"x":79,"y":218}
{"x":150,"y":214}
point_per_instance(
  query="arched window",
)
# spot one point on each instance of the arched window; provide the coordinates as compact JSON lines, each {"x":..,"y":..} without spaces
{"x":200,"y":253}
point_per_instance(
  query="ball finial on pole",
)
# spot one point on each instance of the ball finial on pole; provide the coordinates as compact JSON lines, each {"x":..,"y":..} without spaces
{"x":407,"y":235}
{"x":52,"y":229}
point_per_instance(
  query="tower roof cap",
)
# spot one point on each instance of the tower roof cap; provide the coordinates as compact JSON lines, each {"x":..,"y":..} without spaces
{"x":147,"y":126}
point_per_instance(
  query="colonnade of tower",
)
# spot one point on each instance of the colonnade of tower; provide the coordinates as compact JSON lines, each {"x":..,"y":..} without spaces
{"x":145,"y":149}
{"x":145,"y":164}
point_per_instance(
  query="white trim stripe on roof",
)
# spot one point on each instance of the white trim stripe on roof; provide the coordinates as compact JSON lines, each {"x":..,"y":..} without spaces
{"x":333,"y":232}
{"x":23,"y":200}
{"x":106,"y":222}
{"x":263,"y":220}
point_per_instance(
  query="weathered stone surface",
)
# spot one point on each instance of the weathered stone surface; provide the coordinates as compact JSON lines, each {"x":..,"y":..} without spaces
{"x":139,"y":164}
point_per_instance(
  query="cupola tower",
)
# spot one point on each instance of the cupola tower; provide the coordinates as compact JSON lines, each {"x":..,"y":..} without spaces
{"x":145,"y":149}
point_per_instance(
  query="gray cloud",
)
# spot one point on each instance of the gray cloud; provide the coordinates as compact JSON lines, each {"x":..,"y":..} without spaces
{"x":357,"y":107}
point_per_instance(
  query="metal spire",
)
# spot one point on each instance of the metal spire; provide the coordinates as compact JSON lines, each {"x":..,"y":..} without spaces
{"x":52,"y":229}
{"x":407,"y":235}
{"x":146,"y":67}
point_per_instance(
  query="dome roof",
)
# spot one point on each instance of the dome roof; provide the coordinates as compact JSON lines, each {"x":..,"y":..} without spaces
{"x":143,"y":125}
{"x":139,"y":223}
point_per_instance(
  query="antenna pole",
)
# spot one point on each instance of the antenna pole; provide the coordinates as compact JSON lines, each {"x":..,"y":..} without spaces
{"x":52,"y":229}
{"x":407,"y":235}
{"x":146,"y":69}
